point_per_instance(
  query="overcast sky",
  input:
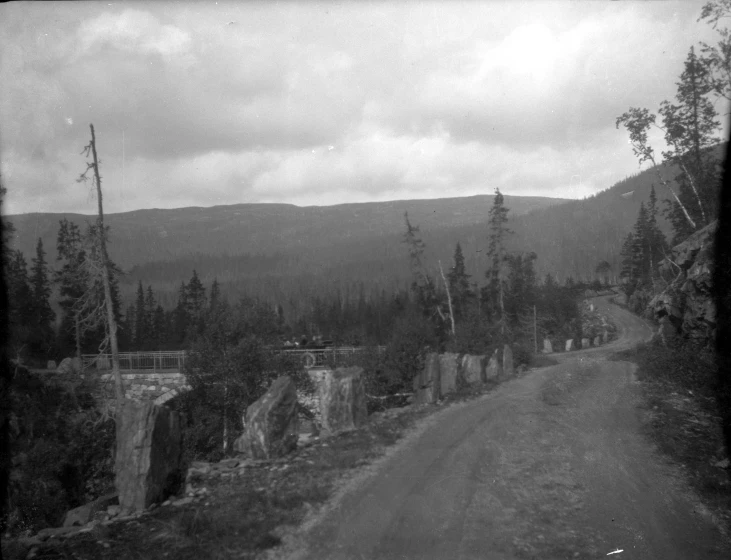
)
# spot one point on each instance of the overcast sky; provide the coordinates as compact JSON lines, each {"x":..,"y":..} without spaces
{"x":209,"y":103}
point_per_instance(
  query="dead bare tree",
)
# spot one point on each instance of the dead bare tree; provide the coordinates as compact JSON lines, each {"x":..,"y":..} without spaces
{"x":100,"y":268}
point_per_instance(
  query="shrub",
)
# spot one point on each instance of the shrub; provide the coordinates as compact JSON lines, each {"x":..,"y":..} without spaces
{"x":413,"y":337}
{"x":62,"y":451}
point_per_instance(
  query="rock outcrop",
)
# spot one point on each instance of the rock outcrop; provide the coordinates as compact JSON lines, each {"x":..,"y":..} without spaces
{"x":427,"y":383}
{"x":343,"y":400}
{"x":149,"y":445}
{"x":686,"y":307}
{"x":271,"y":422}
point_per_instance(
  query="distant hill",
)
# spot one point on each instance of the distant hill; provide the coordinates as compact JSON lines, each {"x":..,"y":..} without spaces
{"x":281,"y":251}
{"x":142,"y":236}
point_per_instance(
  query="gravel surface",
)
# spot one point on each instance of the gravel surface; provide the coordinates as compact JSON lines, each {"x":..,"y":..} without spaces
{"x":549,"y":465}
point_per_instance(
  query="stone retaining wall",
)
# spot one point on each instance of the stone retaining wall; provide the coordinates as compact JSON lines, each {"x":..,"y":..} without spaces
{"x":157,"y":387}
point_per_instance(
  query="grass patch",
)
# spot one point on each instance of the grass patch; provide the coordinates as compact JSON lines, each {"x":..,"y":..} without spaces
{"x":679,"y":390}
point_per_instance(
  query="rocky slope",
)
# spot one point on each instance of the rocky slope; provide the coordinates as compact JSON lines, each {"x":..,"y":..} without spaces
{"x":685,"y":307}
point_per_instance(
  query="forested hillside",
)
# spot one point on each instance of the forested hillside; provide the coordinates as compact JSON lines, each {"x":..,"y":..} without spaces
{"x":570,"y":239}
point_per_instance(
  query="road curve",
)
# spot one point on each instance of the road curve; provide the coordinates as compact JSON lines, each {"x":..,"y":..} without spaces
{"x":549,"y":465}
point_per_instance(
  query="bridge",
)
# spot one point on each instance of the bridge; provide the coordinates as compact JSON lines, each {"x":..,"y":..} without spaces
{"x":159,"y":376}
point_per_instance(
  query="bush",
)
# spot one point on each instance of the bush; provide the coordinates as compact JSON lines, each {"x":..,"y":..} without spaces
{"x":413,"y":337}
{"x":62,"y":452}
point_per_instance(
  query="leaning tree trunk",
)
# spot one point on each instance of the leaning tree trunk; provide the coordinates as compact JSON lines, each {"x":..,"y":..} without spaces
{"x":106,"y":278}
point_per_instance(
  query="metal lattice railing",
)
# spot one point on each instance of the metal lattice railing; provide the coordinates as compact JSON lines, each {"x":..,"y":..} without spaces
{"x":175,"y":360}
{"x":132,"y":361}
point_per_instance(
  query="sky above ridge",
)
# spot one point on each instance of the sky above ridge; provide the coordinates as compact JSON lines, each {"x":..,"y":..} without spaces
{"x":203,"y":103}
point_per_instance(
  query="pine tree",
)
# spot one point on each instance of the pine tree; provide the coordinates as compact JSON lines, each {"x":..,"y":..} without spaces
{"x":215,"y":294}
{"x":459,"y":284}
{"x":140,"y":318}
{"x":73,"y":282}
{"x":150,"y":305}
{"x":497,"y":252}
{"x":43,"y":315}
{"x":690,"y":129}
{"x":20,"y":302}
{"x":196,"y":296}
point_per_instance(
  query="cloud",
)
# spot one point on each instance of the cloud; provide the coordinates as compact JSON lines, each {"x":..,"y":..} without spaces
{"x":417,"y":100}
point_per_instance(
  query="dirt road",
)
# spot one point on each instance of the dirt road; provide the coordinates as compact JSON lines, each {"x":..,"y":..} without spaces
{"x":551,"y":465}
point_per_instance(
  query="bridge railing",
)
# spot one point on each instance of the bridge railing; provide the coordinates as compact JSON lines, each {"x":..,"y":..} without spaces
{"x":175,"y":360}
{"x":134,"y":361}
{"x":313,"y":357}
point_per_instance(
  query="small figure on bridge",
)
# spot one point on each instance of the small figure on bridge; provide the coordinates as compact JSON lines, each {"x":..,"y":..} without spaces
{"x":303,"y":341}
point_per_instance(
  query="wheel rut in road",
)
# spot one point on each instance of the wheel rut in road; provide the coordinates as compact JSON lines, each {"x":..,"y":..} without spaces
{"x":549,"y":465}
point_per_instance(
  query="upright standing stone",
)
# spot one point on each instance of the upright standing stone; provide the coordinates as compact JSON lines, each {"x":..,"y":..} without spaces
{"x":448,"y":372}
{"x":272,"y":422}
{"x":493,"y":371}
{"x":597,"y":341}
{"x":473,"y":369}
{"x":427,"y":383}
{"x":508,"y":368}
{"x":547,"y":346}
{"x":585,"y":343}
{"x":605,"y":336}
{"x":149,"y":444}
{"x":343,"y":400}
{"x":569,"y":345}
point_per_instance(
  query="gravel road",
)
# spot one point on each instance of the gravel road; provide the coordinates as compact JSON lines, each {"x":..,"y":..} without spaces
{"x":550,"y":465}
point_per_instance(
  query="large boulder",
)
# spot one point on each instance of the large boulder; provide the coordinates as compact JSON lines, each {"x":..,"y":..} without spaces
{"x":493,"y":370}
{"x":271,"y":422}
{"x":427,"y":383}
{"x":343,"y":400}
{"x":473,"y":369}
{"x":508,"y":367}
{"x":547,"y":347}
{"x":149,"y":444}
{"x":68,"y":366}
{"x":83,"y":514}
{"x":448,"y":372}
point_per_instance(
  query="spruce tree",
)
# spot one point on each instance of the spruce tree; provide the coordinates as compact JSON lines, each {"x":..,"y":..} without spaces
{"x":459,"y":284}
{"x":43,"y":315}
{"x":140,"y":318}
{"x":496,"y":253}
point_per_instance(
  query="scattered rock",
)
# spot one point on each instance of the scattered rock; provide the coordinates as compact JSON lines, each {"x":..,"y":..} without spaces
{"x":83,"y":514}
{"x":183,"y":501}
{"x":149,"y":443}
{"x":57,"y":532}
{"x":723,"y":464}
{"x":113,"y":511}
{"x":343,"y":400}
{"x":67,"y":366}
{"x":271,"y":422}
